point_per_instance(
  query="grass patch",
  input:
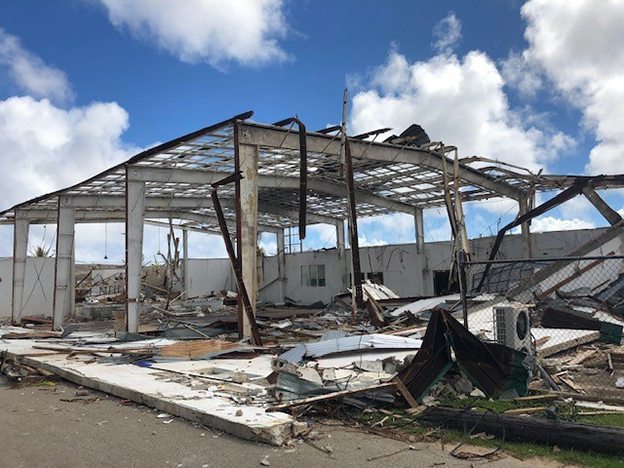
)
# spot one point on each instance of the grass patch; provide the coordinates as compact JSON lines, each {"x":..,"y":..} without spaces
{"x":399,"y":420}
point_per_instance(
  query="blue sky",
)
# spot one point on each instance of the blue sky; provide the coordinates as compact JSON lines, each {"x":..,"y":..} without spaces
{"x":501,"y":79}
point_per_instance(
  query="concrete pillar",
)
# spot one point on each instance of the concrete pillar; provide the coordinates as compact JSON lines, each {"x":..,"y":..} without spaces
{"x":249,"y":226}
{"x":419,"y":230}
{"x":281,"y":264}
{"x":342,"y":256}
{"x":186,"y":277}
{"x":135,"y":211}
{"x":64,"y":300}
{"x":20,"y":253}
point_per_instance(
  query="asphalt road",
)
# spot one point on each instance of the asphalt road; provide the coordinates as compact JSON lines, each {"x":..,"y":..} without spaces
{"x":39,"y":429}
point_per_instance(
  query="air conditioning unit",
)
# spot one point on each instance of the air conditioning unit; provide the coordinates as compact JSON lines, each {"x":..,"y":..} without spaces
{"x":512,"y":328}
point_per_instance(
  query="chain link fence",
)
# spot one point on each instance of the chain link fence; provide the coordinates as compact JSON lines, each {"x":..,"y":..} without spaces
{"x":567,"y":312}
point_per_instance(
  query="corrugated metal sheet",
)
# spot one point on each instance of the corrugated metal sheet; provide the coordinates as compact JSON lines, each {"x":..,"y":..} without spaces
{"x":350,"y":343}
{"x":333,"y":334}
{"x":361,"y":342}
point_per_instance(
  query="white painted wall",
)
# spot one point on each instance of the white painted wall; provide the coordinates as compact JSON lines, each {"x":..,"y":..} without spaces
{"x":208,"y":275}
{"x":38,"y":287}
{"x":405,"y":271}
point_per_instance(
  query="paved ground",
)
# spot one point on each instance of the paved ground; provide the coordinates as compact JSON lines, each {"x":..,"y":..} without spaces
{"x":39,"y":429}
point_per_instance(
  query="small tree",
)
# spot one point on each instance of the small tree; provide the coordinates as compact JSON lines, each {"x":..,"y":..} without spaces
{"x":41,"y":251}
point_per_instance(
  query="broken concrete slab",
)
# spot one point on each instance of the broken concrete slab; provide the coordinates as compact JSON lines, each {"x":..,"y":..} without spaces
{"x":147,"y":386}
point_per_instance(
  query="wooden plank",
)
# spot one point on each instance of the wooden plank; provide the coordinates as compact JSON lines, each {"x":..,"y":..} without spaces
{"x":198,"y":348}
{"x":388,"y":386}
{"x":537,"y":409}
{"x":547,"y":396}
{"x":406,"y":393}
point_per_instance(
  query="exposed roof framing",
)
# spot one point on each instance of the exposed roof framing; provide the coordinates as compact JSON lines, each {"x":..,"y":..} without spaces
{"x":388,"y":177}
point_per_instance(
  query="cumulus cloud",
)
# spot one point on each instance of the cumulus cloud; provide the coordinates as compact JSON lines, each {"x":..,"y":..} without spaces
{"x":549,"y":223}
{"x":521,"y":74}
{"x":393,"y":228}
{"x":45,"y":148}
{"x":458,"y":100}
{"x":211,"y":31}
{"x":30,"y":73}
{"x":447,"y":34}
{"x":320,"y":236}
{"x":577,"y":45}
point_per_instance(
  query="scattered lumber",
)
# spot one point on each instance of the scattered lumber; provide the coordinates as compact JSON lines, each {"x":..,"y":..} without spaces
{"x":522,"y":429}
{"x":31,"y":335}
{"x":536,"y":409}
{"x":547,"y":396}
{"x":388,"y":387}
{"x":198,"y":348}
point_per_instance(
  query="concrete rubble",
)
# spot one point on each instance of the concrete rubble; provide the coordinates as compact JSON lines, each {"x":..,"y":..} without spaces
{"x":528,"y":331}
{"x":187,"y":360}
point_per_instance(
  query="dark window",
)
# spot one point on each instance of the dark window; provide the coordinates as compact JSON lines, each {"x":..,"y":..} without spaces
{"x":442,"y":284}
{"x":313,"y":276}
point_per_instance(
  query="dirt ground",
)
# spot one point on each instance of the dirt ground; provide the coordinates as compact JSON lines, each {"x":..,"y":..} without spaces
{"x":39,"y":429}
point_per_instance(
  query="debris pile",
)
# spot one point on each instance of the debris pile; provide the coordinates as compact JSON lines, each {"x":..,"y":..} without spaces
{"x":411,"y":355}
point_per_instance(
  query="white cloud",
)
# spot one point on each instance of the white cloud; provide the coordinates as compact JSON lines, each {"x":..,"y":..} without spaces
{"x":521,"y":74}
{"x":458,"y":100}
{"x":319,"y":236}
{"x":45,"y":148}
{"x":447,"y":34}
{"x":578,"y":47}
{"x":497,"y":206}
{"x":363,"y":241}
{"x":549,"y":223}
{"x":393,"y":228}
{"x":268,"y":242}
{"x":211,"y":31}
{"x":30,"y":73}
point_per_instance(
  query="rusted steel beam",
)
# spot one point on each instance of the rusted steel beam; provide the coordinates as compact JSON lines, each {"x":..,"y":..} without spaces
{"x":353,"y":229}
{"x":303,"y":171}
{"x":243,"y":296}
{"x":554,"y":202}
{"x":379,"y":131}
{"x":334,"y":128}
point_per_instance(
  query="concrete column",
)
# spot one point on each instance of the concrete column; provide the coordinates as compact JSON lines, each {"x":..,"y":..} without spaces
{"x":186,"y":277}
{"x":281,"y":264}
{"x":419,"y":230}
{"x":249,"y":225}
{"x":63,"y":303}
{"x":342,"y":257}
{"x":20,"y":253}
{"x":135,"y":211}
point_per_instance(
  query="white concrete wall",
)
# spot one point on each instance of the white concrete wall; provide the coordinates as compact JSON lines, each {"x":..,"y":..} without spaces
{"x":405,"y":271}
{"x":208,"y":275}
{"x":38,"y":293}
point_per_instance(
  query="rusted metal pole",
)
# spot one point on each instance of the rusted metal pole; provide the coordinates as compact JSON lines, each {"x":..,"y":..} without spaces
{"x":356,"y":280}
{"x":238,"y":272}
{"x":303,"y":171}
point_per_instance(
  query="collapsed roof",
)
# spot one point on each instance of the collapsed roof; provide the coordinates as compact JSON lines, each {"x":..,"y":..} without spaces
{"x":394,"y":176}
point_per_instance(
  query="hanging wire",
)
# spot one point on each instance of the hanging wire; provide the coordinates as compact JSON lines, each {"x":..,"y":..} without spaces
{"x":159,"y":252}
{"x":105,"y":241}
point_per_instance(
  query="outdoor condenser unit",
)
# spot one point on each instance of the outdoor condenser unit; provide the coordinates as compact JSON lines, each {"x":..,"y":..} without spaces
{"x":512,"y":328}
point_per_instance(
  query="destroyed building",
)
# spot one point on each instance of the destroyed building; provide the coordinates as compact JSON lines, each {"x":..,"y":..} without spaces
{"x":238,"y":343}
